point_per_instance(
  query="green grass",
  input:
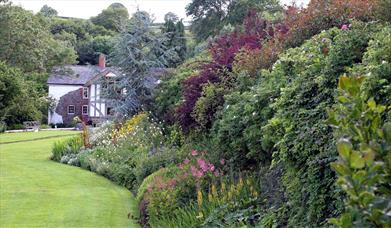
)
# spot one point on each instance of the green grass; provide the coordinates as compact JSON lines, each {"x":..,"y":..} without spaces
{"x":37,"y":192}
{"x":15,"y":137}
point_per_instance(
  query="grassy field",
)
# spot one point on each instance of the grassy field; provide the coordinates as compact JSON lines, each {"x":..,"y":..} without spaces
{"x":15,"y":137}
{"x":37,"y":192}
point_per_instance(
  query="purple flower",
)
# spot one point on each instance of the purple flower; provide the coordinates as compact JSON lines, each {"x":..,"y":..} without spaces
{"x":187,"y":161}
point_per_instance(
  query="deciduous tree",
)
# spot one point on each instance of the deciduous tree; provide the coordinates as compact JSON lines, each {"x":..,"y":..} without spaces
{"x":27,"y":43}
{"x":48,"y":11}
{"x":112,"y":17}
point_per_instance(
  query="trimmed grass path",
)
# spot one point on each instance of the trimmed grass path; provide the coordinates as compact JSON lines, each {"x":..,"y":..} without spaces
{"x":37,"y":192}
{"x":29,"y":136}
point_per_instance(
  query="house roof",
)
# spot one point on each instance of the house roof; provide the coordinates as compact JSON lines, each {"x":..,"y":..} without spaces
{"x":85,"y":75}
{"x":73,"y":74}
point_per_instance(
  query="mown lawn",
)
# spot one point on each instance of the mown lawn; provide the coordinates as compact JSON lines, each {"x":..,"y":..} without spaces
{"x":15,"y":137}
{"x":37,"y":192}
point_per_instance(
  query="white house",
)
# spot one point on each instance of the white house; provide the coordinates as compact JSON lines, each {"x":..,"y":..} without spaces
{"x":76,"y":91}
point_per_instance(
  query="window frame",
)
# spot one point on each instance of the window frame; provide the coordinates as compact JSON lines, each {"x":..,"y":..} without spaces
{"x":107,"y":111}
{"x":74,"y":110}
{"x":82,"y":110}
{"x":85,"y":89}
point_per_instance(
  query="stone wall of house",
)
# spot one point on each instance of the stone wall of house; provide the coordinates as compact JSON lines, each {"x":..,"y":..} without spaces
{"x":72,"y":98}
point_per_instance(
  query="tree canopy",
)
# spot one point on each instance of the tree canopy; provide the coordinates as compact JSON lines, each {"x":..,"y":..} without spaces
{"x":27,"y":43}
{"x":174,"y":30}
{"x":112,"y":17}
{"x":137,"y":50}
{"x":210,"y":16}
{"x":48,"y":11}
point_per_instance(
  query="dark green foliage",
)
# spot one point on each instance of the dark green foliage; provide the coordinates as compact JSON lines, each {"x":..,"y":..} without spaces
{"x":384,"y":10}
{"x":154,"y":163}
{"x":377,"y":68}
{"x":364,"y":161}
{"x":208,"y":105}
{"x":85,"y":37}
{"x":175,"y":33}
{"x":113,"y":17}
{"x":207,"y":16}
{"x":168,"y":95}
{"x":48,"y":11}
{"x":89,"y":49}
{"x":20,"y":98}
{"x":138,"y":49}
{"x":239,"y":131}
{"x":284,"y":117}
{"x":180,"y":43}
{"x":238,"y":10}
{"x":27,"y":43}
{"x":10,"y":87}
{"x":306,"y":146}
{"x":210,"y":16}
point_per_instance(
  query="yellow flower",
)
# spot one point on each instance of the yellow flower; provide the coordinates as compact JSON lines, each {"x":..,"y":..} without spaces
{"x":210,"y":197}
{"x":222,"y":187}
{"x":214,"y":191}
{"x":199,"y":198}
{"x":200,"y":215}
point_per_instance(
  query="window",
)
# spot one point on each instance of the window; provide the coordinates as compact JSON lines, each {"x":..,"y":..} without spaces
{"x":71,"y":109}
{"x":109,"y":111}
{"x":85,"y":92}
{"x":85,"y":109}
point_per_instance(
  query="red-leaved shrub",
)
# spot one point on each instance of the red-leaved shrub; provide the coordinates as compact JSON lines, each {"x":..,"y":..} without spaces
{"x":250,"y":36}
{"x":321,"y":15}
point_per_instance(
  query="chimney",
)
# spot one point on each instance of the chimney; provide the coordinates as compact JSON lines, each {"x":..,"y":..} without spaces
{"x":102,"y":61}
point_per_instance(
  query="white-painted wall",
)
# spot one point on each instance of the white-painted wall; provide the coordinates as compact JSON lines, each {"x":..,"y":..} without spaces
{"x":97,"y":104}
{"x":56,"y":92}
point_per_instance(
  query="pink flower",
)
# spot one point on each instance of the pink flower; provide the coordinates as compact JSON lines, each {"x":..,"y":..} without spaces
{"x":149,"y":189}
{"x":172,"y":183}
{"x":222,"y":161}
{"x":194,"y":153}
{"x":195,"y":172}
{"x":216,"y":173}
{"x":181,"y":166}
{"x":201,"y":162}
{"x":187,"y":161}
{"x":211,"y":167}
{"x":345,"y":27}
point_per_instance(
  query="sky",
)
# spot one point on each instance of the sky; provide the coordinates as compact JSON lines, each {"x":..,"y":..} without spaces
{"x":88,"y":8}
